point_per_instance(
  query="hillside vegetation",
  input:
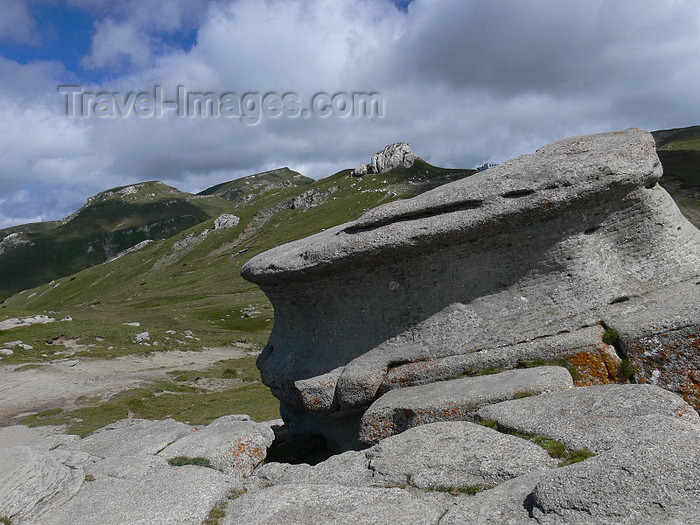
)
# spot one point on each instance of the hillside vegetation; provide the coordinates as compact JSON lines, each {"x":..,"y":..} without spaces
{"x":109,"y":223}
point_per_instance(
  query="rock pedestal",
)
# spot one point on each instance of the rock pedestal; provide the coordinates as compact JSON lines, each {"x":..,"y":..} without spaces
{"x":574,"y":236}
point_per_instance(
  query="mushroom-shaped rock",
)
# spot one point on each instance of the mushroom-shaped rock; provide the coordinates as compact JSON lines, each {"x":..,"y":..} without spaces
{"x":574,"y":235}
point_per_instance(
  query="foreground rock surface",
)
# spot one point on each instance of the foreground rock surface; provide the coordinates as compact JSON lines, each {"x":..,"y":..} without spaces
{"x":647,"y":442}
{"x":120,"y":473}
{"x":497,"y":267}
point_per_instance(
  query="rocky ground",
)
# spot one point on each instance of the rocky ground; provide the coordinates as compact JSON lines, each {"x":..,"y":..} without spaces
{"x":605,"y":454}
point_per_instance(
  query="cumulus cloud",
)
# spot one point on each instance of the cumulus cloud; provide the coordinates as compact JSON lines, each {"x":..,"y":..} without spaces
{"x":118,"y":45}
{"x":129,"y":32}
{"x":464,"y":82}
{"x":16,"y":23}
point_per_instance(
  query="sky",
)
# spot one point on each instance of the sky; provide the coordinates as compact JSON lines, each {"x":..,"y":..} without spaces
{"x":463,"y":81}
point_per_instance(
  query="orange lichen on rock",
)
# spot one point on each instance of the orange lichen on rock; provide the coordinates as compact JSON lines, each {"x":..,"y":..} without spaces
{"x":597,"y":366}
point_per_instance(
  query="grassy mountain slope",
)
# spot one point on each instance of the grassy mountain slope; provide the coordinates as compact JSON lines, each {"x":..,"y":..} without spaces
{"x":109,"y":223}
{"x":246,"y":189}
{"x":679,"y":151}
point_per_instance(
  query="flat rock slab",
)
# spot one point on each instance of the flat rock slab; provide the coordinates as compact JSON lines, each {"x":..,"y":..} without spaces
{"x":454,"y":454}
{"x":596,"y":417}
{"x":594,"y":361}
{"x":655,"y":480}
{"x":132,"y":437}
{"x":504,"y":504}
{"x":168,"y":495}
{"x":333,"y":505}
{"x":40,"y":437}
{"x":233,"y":444}
{"x":116,"y":474}
{"x":31,"y":480}
{"x":458,"y":399}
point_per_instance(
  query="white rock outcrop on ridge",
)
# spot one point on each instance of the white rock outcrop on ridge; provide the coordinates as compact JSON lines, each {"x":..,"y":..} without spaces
{"x":574,"y":235}
{"x":397,"y":155}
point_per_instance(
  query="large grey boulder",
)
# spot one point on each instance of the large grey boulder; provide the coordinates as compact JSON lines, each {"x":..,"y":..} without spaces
{"x":454,"y":400}
{"x":595,"y":417}
{"x":233,"y":444}
{"x":573,"y":234}
{"x":454,"y":454}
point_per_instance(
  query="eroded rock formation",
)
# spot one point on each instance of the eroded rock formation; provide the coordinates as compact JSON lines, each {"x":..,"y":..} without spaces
{"x":397,"y":155}
{"x":529,"y":260}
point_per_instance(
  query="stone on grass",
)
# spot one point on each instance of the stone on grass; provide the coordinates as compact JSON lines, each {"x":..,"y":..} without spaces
{"x":142,"y":337}
{"x":454,"y":400}
{"x":226,"y":220}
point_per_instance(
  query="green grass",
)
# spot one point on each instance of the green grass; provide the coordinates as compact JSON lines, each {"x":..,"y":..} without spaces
{"x":218,"y":512}
{"x":473,"y":372}
{"x":628,"y":369}
{"x":181,"y":461}
{"x":610,"y":336}
{"x":162,"y":401}
{"x":554,"y":448}
{"x":524,"y":393}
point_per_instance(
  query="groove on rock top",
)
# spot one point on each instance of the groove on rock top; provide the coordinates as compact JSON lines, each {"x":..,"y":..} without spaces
{"x":425,"y":213}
